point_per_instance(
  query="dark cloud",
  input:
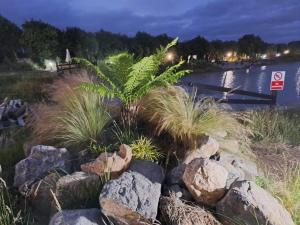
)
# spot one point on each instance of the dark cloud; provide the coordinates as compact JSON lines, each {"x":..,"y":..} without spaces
{"x":273,"y":20}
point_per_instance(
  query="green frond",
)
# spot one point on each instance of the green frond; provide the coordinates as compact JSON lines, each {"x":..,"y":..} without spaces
{"x":141,"y":71}
{"x":91,"y":67}
{"x":101,"y":89}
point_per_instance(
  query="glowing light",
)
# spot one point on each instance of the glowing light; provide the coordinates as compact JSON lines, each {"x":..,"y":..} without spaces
{"x":263,"y":67}
{"x":229,"y":54}
{"x":50,"y":65}
{"x":213,"y":60}
{"x":286,"y":52}
{"x":170,"y":56}
{"x":264,"y":56}
{"x":278,"y":54}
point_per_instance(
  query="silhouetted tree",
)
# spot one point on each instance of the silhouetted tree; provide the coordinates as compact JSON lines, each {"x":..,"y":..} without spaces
{"x":9,"y":39}
{"x":42,"y":39}
{"x":251,"y":45}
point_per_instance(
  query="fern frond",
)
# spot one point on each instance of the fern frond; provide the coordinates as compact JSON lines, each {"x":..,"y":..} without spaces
{"x":141,"y":71}
{"x":91,"y":67}
{"x":101,"y":89}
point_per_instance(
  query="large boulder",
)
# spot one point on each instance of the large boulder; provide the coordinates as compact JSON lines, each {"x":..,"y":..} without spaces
{"x":113,"y":163}
{"x":77,"y":189}
{"x":209,"y":148}
{"x":133,"y":197}
{"x":174,"y":211}
{"x":206,"y":180}
{"x":77,"y":217}
{"x":41,"y":160}
{"x":250,"y":204}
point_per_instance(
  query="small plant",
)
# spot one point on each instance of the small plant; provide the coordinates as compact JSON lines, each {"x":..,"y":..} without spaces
{"x":143,"y":149}
{"x":124,"y":134}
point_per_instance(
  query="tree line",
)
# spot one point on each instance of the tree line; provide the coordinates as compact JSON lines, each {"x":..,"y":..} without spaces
{"x":39,"y":40}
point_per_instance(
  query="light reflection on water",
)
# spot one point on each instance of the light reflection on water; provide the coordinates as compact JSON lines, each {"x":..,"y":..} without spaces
{"x":255,"y":79}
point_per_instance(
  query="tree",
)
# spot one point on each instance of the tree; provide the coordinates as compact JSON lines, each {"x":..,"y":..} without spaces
{"x":198,"y":46}
{"x":42,"y":39}
{"x":251,"y":45}
{"x":80,"y":43}
{"x":9,"y":39}
{"x":129,"y":80}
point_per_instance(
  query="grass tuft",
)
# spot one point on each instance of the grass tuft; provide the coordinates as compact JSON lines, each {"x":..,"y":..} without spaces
{"x":143,"y":149}
{"x":178,"y":113}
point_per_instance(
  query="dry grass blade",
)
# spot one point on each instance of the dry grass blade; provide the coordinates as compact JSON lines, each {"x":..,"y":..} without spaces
{"x":176,"y":212}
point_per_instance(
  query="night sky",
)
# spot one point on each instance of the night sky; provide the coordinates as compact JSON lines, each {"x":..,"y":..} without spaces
{"x":274,"y":20}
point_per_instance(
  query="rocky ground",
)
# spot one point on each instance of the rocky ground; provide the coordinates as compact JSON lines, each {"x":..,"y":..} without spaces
{"x":209,"y":187}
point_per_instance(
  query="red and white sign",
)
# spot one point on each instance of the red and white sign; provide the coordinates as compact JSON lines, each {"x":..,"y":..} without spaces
{"x":277,"y":81}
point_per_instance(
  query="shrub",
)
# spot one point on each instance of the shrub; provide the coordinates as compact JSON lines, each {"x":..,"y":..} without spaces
{"x":178,"y":113}
{"x":77,"y":117}
{"x":143,"y":149}
{"x":275,"y":126}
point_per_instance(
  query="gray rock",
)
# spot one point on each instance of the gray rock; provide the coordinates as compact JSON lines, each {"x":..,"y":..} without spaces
{"x":208,"y":148}
{"x":77,"y":217}
{"x":76,"y":188}
{"x":40,"y":196}
{"x":248,"y":167}
{"x":179,"y":191}
{"x":249,"y":204}
{"x":41,"y":160}
{"x":175,"y":175}
{"x":133,"y":197}
{"x":234,"y":173}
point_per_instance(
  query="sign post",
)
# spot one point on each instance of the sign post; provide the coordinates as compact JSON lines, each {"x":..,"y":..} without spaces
{"x":277,"y":81}
{"x":277,"y":84}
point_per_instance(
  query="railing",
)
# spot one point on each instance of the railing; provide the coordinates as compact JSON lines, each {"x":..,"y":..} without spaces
{"x":267,"y":99}
{"x":65,"y":67}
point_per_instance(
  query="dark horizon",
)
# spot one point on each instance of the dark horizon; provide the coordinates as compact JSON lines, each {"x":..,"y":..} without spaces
{"x":274,"y":21}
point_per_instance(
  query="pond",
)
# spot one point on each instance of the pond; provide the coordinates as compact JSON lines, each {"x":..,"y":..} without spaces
{"x":255,"y":79}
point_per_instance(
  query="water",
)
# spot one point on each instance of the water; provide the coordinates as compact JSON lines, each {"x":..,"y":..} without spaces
{"x":256,"y":79}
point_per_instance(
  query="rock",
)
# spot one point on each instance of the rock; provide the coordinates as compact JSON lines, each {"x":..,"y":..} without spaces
{"x":234,"y":173}
{"x":179,"y":191}
{"x":209,"y":147}
{"x":250,"y":204}
{"x":175,"y":175}
{"x":40,"y":197}
{"x":41,"y":160}
{"x":133,"y":197}
{"x":76,"y":188}
{"x":206,"y":180}
{"x":113,"y":163}
{"x":248,"y":167}
{"x":230,"y":145}
{"x":77,"y":217}
{"x":174,"y":211}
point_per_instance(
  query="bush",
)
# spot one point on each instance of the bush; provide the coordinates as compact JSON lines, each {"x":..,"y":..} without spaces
{"x":178,"y":113}
{"x":77,"y":118}
{"x":275,"y":126}
{"x":143,"y":149}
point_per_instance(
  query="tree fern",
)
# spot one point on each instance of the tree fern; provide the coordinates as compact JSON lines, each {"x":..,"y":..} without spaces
{"x":129,"y":81}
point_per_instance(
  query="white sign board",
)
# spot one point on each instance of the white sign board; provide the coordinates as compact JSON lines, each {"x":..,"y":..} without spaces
{"x":277,"y":80}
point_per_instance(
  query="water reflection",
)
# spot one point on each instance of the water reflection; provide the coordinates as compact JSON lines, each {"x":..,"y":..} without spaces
{"x":256,"y":80}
